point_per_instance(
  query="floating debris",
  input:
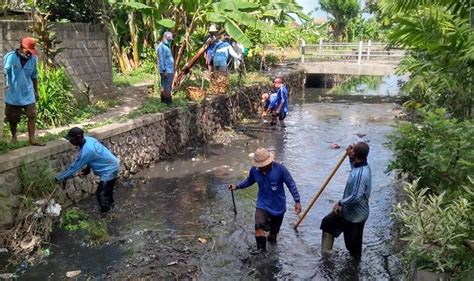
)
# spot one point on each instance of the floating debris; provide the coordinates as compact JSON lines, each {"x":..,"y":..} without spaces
{"x":335,"y":146}
{"x":172,"y":263}
{"x":72,"y":274}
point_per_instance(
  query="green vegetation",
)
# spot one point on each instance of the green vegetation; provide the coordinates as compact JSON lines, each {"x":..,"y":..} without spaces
{"x":435,"y":228}
{"x":37,"y":181}
{"x":6,"y":145}
{"x":95,"y":231}
{"x":133,"y":77}
{"x":56,"y":98}
{"x":342,"y":12}
{"x":435,"y":150}
{"x":154,"y":105}
{"x":440,"y":45}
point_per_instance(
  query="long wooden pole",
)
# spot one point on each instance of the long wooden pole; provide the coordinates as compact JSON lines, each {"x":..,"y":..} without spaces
{"x":321,"y":190}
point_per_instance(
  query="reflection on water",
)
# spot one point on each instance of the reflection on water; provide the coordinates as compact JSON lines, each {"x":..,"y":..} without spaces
{"x":189,"y":196}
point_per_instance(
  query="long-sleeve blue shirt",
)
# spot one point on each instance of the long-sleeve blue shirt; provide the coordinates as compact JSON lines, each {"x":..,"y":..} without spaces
{"x":97,"y":157}
{"x":271,"y":193}
{"x":165,"y":59}
{"x":19,"y":79}
{"x":355,"y":202}
{"x":282,"y":95}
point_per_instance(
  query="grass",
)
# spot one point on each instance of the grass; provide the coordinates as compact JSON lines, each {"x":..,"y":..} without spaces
{"x":6,"y":145}
{"x":37,"y":181}
{"x":154,"y":105}
{"x":249,"y":79}
{"x":75,"y":219}
{"x":138,"y":75}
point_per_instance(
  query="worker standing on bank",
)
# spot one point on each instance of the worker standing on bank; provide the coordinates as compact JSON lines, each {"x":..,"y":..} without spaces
{"x":271,"y":200}
{"x":349,"y":214}
{"x":94,"y":155}
{"x":210,"y":49}
{"x":21,"y":88}
{"x":221,"y":54}
{"x":166,"y":67}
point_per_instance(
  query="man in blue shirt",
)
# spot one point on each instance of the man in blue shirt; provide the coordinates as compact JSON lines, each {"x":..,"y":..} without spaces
{"x":271,"y":199}
{"x":166,"y":67}
{"x":21,"y":87}
{"x":351,"y":212}
{"x":281,"y":102}
{"x":93,"y":155}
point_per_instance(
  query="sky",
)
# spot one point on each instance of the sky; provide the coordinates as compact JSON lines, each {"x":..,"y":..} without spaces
{"x":310,"y":5}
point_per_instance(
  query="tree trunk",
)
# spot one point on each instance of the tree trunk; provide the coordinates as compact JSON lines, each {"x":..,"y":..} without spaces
{"x":134,"y":39}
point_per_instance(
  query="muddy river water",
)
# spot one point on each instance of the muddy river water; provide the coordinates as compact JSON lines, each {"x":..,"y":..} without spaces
{"x":176,"y":220}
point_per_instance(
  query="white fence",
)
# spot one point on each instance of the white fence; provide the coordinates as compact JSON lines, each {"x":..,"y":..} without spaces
{"x":350,"y":52}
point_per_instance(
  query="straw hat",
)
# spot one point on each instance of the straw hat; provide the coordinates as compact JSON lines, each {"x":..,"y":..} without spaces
{"x":262,"y":157}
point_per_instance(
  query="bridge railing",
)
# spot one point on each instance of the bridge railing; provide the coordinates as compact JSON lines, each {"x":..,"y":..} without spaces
{"x":356,"y":52}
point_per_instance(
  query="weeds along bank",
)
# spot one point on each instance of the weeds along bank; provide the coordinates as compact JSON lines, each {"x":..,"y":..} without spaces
{"x":137,"y":142}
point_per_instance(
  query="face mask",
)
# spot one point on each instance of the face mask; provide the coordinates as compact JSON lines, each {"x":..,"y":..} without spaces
{"x":24,"y":55}
{"x":168,"y":43}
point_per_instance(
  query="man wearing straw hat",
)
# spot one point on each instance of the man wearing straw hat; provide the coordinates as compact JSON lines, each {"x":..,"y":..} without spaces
{"x":350,"y":213}
{"x":271,"y":199}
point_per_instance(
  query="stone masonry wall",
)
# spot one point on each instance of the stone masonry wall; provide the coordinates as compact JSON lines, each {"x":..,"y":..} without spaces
{"x":137,"y":143}
{"x":86,"y":54}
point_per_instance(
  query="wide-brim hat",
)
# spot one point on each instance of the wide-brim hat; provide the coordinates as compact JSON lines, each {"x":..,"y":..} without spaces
{"x":262,"y":157}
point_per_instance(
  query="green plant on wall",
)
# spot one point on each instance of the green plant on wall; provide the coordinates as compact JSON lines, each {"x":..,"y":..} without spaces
{"x":37,"y":181}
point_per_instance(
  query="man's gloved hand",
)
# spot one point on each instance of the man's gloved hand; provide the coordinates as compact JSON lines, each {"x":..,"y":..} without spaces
{"x":86,"y":171}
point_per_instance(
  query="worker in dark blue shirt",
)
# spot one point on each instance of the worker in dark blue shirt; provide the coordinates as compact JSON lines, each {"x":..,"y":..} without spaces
{"x":351,"y":212}
{"x":271,"y":199}
{"x":94,"y":155}
{"x":281,"y":102}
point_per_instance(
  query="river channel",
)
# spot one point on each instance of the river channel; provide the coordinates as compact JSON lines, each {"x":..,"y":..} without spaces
{"x":176,"y":220}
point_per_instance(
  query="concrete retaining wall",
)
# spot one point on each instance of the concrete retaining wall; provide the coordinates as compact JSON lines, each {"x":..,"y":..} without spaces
{"x":86,"y":56}
{"x":137,"y":143}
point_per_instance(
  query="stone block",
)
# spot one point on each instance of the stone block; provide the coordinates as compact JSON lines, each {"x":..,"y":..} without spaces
{"x":77,"y":53}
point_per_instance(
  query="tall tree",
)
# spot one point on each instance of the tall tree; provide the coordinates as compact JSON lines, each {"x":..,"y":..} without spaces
{"x":342,"y":12}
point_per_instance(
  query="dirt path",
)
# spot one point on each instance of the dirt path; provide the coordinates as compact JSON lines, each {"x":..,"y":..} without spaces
{"x":128,"y":99}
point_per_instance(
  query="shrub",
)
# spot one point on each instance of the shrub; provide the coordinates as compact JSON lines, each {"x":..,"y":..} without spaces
{"x":436,"y":149}
{"x":434,"y":229}
{"x":37,"y":181}
{"x":57,"y":105}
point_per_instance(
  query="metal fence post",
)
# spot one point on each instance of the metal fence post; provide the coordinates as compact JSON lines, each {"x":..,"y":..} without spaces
{"x":303,"y":46}
{"x":320,"y":47}
{"x":359,"y":57}
{"x":368,"y":49}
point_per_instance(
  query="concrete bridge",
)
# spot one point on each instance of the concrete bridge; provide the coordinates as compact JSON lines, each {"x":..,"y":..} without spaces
{"x":350,"y":58}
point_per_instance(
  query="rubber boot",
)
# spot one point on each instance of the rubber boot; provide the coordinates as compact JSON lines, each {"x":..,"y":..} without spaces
{"x":272,"y":238}
{"x":327,"y":242}
{"x":261,"y":245}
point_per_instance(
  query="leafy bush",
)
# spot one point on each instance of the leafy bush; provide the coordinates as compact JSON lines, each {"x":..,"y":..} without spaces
{"x":436,"y":149}
{"x":57,"y":105}
{"x":435,"y":227}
